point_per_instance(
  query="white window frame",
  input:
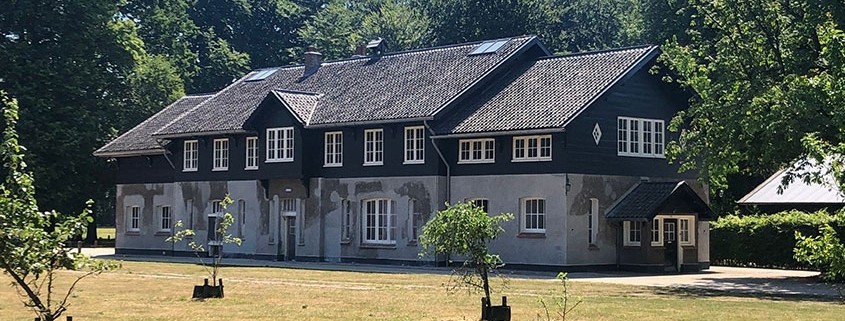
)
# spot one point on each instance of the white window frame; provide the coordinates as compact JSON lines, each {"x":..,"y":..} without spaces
{"x":251,"y":162}
{"x":593,"y":222}
{"x":384,"y":221}
{"x":221,"y":155}
{"x":279,"y":145}
{"x":415,"y":218}
{"x":346,"y":221}
{"x":628,"y":229}
{"x":217,"y":206}
{"x":690,"y":221}
{"x":241,"y":218}
{"x":658,"y":232}
{"x":190,"y":156}
{"x":134,"y":218}
{"x":162,"y":218}
{"x":333,"y":149}
{"x":373,"y":147}
{"x":538,"y":225}
{"x":640,"y":137}
{"x":481,"y":202}
{"x":414,"y":145}
{"x":523,"y":149}
{"x":477,"y":151}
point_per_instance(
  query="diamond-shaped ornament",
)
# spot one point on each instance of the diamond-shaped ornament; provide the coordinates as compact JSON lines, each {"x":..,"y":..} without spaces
{"x":597,"y":134}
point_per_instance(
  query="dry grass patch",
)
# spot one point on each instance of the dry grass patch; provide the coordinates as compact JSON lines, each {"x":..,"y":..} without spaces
{"x":161,"y":291}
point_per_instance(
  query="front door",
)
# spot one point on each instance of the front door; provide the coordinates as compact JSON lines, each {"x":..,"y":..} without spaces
{"x":290,"y":238}
{"x":670,"y":243}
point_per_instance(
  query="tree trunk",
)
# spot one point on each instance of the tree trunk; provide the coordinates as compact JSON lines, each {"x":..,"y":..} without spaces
{"x":485,"y":281}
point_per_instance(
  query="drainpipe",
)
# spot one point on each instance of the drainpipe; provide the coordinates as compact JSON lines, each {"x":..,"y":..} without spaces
{"x":443,"y":158}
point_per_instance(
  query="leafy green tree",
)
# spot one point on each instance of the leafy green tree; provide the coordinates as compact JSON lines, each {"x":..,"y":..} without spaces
{"x":338,"y":29}
{"x":32,"y":242}
{"x":769,"y":78}
{"x":602,"y":24}
{"x":824,"y":251}
{"x":465,"y":230}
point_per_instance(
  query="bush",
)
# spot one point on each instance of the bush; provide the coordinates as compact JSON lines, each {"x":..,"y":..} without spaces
{"x":824,"y":251}
{"x":766,"y":240}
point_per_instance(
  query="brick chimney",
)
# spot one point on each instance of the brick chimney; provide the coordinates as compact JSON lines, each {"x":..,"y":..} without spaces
{"x":313,"y":60}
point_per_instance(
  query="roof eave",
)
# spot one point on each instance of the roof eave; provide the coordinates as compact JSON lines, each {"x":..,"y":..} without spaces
{"x":501,"y":133}
{"x":208,"y":133}
{"x":129,"y":153}
{"x":369,"y":122}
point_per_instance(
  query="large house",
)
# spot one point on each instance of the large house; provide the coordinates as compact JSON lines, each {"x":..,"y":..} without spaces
{"x":345,"y":161}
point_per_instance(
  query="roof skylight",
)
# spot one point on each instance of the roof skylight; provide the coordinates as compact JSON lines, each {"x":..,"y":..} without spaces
{"x":261,"y":74}
{"x":488,"y":47}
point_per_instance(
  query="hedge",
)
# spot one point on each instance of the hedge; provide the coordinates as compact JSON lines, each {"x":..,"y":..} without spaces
{"x":766,"y":240}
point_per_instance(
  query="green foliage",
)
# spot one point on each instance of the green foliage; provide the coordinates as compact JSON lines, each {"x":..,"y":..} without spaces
{"x":31,"y":241}
{"x":766,"y":240}
{"x":222,"y":237}
{"x":563,"y":305}
{"x":824,"y":252}
{"x":768,"y":75}
{"x":601,"y":24}
{"x":464,"y":229}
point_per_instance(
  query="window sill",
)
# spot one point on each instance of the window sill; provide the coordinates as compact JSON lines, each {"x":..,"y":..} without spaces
{"x":162,"y":233}
{"x":476,"y":162}
{"x":631,"y":245}
{"x":530,"y":160}
{"x":345,"y":242}
{"x":641,"y":155}
{"x":133,"y":233}
{"x":378,"y":246}
{"x":373,"y":164}
{"x":333,"y":165}
{"x":250,"y":168}
{"x":219,"y":169}
{"x":279,"y":160}
{"x":531,"y":235}
{"x":413,"y":163}
{"x":189,"y":170}
{"x":412,"y":243}
{"x":593,"y":247}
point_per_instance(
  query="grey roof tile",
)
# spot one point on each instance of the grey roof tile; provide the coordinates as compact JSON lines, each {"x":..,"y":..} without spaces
{"x":300,"y":104}
{"x":645,"y":200}
{"x":543,"y":94}
{"x":139,"y":139}
{"x":403,"y":85}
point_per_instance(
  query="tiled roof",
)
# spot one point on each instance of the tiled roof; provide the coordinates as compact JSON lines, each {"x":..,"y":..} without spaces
{"x":545,"y":93}
{"x":403,"y":85}
{"x":139,"y":139}
{"x":300,"y":104}
{"x":798,"y":191}
{"x":647,"y":198}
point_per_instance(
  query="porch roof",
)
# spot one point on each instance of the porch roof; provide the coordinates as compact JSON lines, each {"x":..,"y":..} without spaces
{"x":647,"y":199}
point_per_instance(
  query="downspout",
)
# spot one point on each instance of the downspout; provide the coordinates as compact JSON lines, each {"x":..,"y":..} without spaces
{"x":443,"y":158}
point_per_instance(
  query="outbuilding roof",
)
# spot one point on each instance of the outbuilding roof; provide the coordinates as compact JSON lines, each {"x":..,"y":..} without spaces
{"x":773,"y":191}
{"x":545,"y":93}
{"x":647,"y":199}
{"x":404,"y":85}
{"x":139,"y":140}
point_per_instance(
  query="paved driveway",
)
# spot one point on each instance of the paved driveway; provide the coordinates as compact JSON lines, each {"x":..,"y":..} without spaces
{"x":718,"y":280}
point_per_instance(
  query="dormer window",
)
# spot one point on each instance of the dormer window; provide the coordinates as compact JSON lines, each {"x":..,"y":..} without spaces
{"x":279,"y":145}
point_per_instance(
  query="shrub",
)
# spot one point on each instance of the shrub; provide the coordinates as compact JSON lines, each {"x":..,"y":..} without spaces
{"x":824,"y":251}
{"x":766,"y":240}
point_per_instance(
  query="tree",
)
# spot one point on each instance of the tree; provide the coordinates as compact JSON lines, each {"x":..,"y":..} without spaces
{"x":221,"y":236}
{"x":769,"y":83}
{"x":464,"y":229}
{"x":339,"y":28}
{"x":601,"y":24}
{"x":31,"y":241}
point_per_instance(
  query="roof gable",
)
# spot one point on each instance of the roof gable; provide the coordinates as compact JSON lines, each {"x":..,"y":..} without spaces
{"x":546,"y":93}
{"x":647,"y":199}
{"x":796,"y":192}
{"x":405,"y":85}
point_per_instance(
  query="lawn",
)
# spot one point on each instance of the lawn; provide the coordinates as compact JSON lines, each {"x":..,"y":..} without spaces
{"x":161,"y":291}
{"x":105,"y":233}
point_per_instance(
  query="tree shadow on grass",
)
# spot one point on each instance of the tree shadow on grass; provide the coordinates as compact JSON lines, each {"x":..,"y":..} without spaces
{"x":784,"y":289}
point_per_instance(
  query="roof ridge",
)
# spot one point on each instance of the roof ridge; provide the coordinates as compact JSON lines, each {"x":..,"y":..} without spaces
{"x":597,"y":52}
{"x":296,"y":92}
{"x":175,"y":119}
{"x":397,"y":53}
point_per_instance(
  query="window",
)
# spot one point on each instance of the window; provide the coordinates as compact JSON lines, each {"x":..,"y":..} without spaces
{"x":279,"y":145}
{"x":656,"y":232}
{"x":346,"y":221}
{"x":534,"y":215}
{"x":669,"y":231}
{"x":414,"y":145}
{"x":488,"y":47}
{"x":334,"y":149}
{"x":532,"y":148}
{"x":134,"y":219}
{"x":221,"y":154}
{"x":640,"y":137}
{"x":216,"y":206}
{"x":251,"y":153}
{"x":379,"y":222}
{"x":261,"y":74}
{"x":476,"y":151}
{"x":373,"y":147}
{"x":686,"y":232}
{"x":480,"y":202}
{"x":632,"y":233}
{"x":416,"y":219}
{"x":241,"y":218}
{"x":191,"y":156}
{"x":166,"y":218}
{"x":592,"y":223}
